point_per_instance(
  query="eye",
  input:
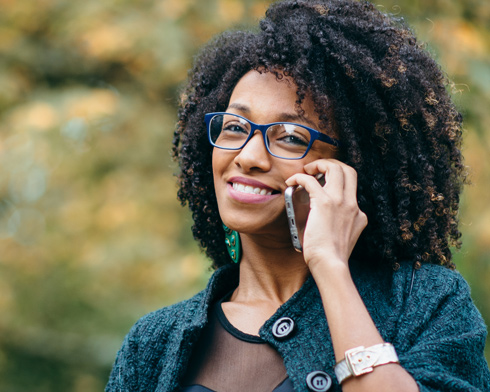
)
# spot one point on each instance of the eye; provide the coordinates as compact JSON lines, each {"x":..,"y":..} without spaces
{"x":290,"y":134}
{"x":293,"y":139}
{"x":235,"y":127}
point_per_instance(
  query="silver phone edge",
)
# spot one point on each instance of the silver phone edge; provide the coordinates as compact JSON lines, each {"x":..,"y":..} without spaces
{"x":293,"y":230}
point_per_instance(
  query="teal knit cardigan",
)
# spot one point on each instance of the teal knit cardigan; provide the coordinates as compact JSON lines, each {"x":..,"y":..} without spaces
{"x":427,"y":314}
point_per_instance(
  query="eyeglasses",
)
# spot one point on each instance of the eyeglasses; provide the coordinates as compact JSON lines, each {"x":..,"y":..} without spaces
{"x":282,"y":140}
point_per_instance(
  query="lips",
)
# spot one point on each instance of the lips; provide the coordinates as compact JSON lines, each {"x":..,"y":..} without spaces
{"x":247,"y":190}
{"x":250,"y":189}
{"x":248,"y":183}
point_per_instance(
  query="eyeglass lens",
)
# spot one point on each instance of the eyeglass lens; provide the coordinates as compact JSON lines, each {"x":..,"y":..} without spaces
{"x":283,"y":140}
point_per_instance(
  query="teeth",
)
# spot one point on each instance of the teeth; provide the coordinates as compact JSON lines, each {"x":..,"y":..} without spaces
{"x":250,"y":189}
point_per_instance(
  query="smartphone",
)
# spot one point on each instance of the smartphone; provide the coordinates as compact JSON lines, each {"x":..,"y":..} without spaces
{"x":297,"y":209}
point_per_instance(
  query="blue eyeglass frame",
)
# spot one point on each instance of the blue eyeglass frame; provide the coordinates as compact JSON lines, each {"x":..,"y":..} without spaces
{"x":315,"y":135}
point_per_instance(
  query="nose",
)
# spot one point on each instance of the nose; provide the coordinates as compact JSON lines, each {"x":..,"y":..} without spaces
{"x":254,"y":155}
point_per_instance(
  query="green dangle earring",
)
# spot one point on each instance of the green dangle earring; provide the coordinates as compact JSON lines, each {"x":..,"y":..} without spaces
{"x":233,"y":245}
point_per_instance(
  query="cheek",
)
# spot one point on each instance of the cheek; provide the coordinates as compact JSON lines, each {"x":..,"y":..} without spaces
{"x":215,"y":168}
{"x":221,"y":160}
{"x":217,"y":161}
{"x":323,"y":151}
{"x":213,"y":164}
{"x":291,"y":168}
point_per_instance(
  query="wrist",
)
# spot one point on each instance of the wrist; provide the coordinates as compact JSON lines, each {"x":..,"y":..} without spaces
{"x":329,"y":267}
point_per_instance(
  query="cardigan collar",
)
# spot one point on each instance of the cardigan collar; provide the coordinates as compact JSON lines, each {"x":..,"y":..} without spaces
{"x":224,"y":280}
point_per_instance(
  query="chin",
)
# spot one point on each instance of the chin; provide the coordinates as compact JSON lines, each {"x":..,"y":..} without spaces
{"x":245,"y":223}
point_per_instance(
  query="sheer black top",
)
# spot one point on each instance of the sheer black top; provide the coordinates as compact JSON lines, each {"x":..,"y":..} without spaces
{"x":228,"y":360}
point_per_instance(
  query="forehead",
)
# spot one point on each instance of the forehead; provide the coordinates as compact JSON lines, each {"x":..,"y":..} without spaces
{"x":266,"y":96}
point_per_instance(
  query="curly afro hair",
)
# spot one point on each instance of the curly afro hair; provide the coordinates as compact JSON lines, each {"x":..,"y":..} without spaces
{"x":390,"y":107}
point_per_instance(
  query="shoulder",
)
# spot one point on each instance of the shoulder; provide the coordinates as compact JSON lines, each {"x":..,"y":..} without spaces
{"x":429,"y":282}
{"x":411,"y":303}
{"x":141,"y":356}
{"x":439,"y":277}
{"x":435,"y":291}
{"x":433,"y":284}
{"x":440,"y":325}
{"x":186,"y":314}
{"x":438,"y":311}
{"x":396,"y":287}
{"x":166,"y":315}
{"x":162,"y":321}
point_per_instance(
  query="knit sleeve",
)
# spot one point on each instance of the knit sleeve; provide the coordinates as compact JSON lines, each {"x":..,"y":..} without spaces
{"x":445,"y":336}
{"x":124,"y":375}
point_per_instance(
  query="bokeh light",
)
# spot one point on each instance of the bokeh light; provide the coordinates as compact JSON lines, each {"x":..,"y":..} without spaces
{"x":91,"y":233}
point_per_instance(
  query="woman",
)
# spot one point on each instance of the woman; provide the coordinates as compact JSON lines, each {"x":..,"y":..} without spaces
{"x":373,"y":303}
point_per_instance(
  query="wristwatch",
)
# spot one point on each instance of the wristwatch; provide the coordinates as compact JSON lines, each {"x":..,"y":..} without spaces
{"x":361,"y":360}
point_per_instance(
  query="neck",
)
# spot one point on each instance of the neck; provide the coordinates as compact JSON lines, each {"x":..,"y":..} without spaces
{"x":269,"y":272}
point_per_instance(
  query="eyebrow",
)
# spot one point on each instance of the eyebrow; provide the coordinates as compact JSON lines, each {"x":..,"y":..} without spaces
{"x":286,"y":117}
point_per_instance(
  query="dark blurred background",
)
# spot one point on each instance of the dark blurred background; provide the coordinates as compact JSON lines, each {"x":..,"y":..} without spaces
{"x":91,"y":234}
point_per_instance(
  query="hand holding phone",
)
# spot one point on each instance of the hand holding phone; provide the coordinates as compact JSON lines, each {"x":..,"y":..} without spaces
{"x":297,"y":208}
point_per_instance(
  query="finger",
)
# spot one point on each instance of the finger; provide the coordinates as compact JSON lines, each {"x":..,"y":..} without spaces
{"x":320,"y":166}
{"x":334,"y":176}
{"x":350,"y":182}
{"x":350,"y":174}
{"x":310,"y":183}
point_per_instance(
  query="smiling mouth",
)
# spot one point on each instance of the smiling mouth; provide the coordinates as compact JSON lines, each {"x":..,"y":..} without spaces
{"x":251,"y":190}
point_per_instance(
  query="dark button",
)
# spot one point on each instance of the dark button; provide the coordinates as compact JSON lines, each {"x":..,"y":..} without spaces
{"x":282,"y":328}
{"x":318,"y":381}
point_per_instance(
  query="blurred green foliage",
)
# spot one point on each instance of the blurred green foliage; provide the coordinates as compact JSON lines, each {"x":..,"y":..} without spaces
{"x":91,"y":234}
